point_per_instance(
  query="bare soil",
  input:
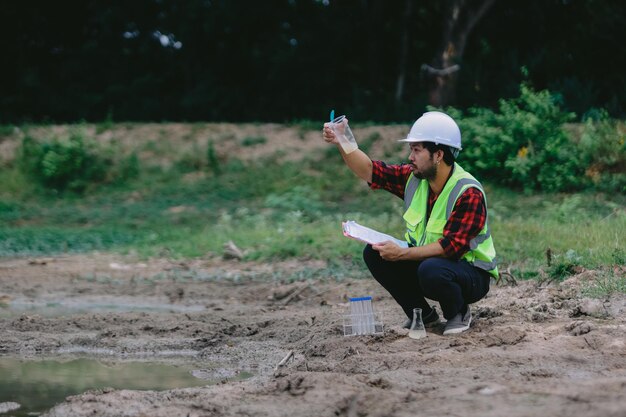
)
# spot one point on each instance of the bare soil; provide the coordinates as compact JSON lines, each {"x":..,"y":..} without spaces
{"x":532,"y":350}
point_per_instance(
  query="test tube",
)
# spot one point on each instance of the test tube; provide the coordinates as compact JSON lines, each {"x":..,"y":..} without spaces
{"x":359,"y":316}
{"x":353,"y":315}
{"x":369,"y":315}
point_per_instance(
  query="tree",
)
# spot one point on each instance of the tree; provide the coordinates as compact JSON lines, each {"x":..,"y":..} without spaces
{"x":460,"y":18}
{"x":281,"y":60}
{"x":404,"y":50}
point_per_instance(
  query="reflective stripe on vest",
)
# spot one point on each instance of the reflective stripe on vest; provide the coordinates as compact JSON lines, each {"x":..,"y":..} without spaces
{"x":456,"y":191}
{"x":487,"y":266}
{"x":409,"y":192}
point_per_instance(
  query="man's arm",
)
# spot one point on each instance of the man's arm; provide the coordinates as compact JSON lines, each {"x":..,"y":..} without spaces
{"x":389,"y":251}
{"x":357,"y":161}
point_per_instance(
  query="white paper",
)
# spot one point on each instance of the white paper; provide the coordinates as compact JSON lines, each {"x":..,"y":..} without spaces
{"x":367,"y":235}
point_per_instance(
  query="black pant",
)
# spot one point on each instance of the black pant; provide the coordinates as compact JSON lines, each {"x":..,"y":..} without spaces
{"x":454,"y":284}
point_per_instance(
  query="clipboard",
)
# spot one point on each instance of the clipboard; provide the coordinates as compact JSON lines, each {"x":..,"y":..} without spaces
{"x":365,"y":234}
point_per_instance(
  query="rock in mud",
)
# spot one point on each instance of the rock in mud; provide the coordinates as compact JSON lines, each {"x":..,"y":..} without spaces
{"x":294,"y":385}
{"x":487,"y":313}
{"x":578,"y":328}
{"x":590,"y":307}
{"x":504,"y":336}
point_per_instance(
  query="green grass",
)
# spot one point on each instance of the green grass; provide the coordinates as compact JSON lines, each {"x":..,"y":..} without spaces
{"x":37,"y":241}
{"x":293,"y":209}
{"x":607,"y":283}
{"x":585,"y":229}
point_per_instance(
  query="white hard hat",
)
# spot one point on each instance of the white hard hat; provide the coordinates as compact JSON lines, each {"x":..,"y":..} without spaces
{"x":435,"y":127}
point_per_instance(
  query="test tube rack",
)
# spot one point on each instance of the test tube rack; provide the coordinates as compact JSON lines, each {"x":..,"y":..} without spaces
{"x":361,"y":318}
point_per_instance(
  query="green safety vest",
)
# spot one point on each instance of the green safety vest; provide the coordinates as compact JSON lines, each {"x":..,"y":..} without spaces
{"x":422,"y":231}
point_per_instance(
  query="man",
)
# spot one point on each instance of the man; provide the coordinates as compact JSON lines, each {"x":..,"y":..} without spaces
{"x":451,"y":256}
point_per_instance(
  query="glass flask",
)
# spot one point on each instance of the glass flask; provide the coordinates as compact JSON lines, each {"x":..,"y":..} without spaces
{"x":417,"y":330}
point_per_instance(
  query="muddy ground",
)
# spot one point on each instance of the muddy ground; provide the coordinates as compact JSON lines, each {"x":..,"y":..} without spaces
{"x":532,"y":350}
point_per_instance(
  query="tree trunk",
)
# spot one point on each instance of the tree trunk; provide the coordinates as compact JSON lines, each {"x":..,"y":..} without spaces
{"x":460,"y":17}
{"x":404,"y":51}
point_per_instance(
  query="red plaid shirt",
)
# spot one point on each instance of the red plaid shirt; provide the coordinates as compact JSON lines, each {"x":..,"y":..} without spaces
{"x":466,"y":220}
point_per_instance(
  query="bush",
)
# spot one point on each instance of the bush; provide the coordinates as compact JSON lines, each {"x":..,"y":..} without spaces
{"x":603,"y":149}
{"x":523,"y":145}
{"x":72,"y":164}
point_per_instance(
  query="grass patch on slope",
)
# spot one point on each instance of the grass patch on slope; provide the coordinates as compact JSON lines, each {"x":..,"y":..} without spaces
{"x":277,"y":210}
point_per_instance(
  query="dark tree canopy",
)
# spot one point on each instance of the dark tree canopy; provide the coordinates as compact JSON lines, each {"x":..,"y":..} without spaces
{"x":219,"y":60}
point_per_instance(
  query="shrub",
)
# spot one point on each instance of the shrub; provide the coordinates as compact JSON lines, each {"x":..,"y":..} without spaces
{"x":602,"y":147}
{"x":523,"y":145}
{"x":72,"y":164}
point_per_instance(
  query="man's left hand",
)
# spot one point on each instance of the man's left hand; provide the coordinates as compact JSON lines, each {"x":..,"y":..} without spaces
{"x":389,"y":251}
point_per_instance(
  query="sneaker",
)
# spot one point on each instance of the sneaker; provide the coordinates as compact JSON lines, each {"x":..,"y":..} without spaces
{"x":431,"y":320}
{"x":458,"y":323}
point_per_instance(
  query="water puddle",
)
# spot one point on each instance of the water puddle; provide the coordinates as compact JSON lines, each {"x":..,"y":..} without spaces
{"x":37,"y":385}
{"x":102,"y":304}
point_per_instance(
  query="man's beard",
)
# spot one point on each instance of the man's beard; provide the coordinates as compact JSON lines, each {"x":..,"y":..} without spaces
{"x":429,"y":174}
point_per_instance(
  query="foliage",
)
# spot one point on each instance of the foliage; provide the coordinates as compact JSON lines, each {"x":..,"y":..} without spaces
{"x":73,"y":164}
{"x":290,"y":209}
{"x":70,"y":164}
{"x":526,"y":145}
{"x":155,"y":60}
{"x":602,"y":147}
{"x":523,"y":145}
